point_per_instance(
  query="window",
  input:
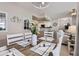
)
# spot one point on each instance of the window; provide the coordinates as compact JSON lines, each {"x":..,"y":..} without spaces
{"x":2,"y":21}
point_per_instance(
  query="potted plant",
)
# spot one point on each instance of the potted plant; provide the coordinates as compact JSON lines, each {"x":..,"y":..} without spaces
{"x":34,"y":34}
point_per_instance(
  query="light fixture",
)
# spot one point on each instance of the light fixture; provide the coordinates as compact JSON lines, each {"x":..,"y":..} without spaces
{"x":40,"y":5}
{"x":73,"y":12}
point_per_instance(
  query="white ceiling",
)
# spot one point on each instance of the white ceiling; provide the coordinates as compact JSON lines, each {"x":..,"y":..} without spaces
{"x":54,"y":8}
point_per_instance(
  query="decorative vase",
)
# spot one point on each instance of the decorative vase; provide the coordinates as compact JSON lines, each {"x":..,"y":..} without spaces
{"x":34,"y":39}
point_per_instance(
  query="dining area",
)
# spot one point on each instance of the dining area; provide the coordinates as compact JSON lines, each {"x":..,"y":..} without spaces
{"x":50,"y":46}
{"x":46,"y":46}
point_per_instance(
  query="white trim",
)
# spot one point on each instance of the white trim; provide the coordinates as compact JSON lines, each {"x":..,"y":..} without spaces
{"x":76,"y":36}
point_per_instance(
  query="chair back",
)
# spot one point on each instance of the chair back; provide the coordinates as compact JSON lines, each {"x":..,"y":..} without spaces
{"x":57,"y":50}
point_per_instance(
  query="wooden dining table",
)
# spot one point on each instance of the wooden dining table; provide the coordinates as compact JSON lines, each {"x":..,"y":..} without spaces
{"x":25,"y":50}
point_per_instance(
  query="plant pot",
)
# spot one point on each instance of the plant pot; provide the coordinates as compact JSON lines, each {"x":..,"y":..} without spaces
{"x":34,"y":39}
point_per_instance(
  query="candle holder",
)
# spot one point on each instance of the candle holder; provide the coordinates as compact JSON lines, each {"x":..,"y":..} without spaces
{"x":43,"y":45}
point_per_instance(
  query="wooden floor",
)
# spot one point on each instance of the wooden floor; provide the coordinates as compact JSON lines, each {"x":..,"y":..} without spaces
{"x":25,"y":50}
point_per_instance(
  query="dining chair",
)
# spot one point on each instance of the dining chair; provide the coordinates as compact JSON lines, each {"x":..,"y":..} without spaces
{"x":3,"y":50}
{"x":48,"y":36}
{"x":57,"y":50}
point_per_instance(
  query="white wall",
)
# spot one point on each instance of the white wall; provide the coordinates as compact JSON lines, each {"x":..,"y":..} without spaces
{"x":13,"y":10}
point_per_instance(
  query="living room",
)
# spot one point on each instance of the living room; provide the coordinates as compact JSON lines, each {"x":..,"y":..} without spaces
{"x":34,"y":28}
